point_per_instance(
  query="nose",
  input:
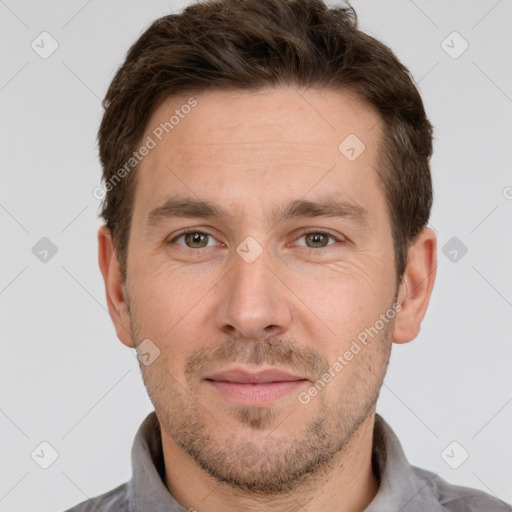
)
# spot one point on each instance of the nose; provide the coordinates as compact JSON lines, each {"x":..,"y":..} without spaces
{"x":253,"y":300}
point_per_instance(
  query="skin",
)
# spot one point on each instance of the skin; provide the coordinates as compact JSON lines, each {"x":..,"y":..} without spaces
{"x":296,"y":307}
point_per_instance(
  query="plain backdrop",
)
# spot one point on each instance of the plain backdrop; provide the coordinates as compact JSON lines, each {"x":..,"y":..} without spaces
{"x":66,"y":380}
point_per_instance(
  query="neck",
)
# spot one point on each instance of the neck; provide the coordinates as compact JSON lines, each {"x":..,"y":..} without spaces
{"x":348,"y":485}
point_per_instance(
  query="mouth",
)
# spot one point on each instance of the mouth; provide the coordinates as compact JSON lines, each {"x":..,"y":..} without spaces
{"x":255,"y":388}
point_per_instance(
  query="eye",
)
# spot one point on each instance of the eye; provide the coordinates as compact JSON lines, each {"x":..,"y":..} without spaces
{"x":318,"y":239}
{"x":194,"y":239}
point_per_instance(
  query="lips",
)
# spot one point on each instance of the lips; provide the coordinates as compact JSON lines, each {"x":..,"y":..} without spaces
{"x":255,"y":388}
{"x":239,"y":376}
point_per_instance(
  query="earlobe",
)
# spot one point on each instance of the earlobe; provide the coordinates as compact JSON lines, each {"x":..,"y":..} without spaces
{"x":114,"y":287}
{"x":416,"y":287}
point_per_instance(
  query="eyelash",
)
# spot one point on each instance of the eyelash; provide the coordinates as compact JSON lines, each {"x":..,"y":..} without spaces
{"x":303,"y":233}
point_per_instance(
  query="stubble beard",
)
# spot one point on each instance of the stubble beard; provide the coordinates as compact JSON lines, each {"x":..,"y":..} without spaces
{"x":275,"y":464}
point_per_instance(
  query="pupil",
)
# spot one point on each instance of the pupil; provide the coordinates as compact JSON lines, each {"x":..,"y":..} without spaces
{"x":197,"y":238}
{"x":317,"y":238}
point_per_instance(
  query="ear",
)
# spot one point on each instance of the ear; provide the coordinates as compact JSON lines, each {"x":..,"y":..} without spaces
{"x":114,"y":286}
{"x":416,"y":286}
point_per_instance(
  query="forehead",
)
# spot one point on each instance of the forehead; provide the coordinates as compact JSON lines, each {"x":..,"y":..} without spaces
{"x":249,"y":149}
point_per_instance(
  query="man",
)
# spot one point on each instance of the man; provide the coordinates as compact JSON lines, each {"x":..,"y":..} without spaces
{"x":266,"y":170}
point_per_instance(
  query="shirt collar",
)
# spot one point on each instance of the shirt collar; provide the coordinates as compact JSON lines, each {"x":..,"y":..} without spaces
{"x":146,"y":489}
{"x":400,"y":488}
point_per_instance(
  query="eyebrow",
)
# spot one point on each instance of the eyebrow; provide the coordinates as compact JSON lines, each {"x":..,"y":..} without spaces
{"x":189,"y":207}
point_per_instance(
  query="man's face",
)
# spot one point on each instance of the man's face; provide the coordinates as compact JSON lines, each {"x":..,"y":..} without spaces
{"x":258,"y":290}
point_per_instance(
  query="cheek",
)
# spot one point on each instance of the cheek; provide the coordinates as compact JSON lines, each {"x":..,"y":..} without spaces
{"x":162,"y":300}
{"x":339,"y":306}
{"x":169,"y":309}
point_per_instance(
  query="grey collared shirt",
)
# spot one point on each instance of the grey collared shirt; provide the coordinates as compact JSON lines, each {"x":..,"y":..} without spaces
{"x":403,"y":488}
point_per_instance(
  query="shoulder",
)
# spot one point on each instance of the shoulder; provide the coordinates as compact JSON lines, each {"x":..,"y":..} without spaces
{"x":457,"y":498}
{"x":115,"y":500}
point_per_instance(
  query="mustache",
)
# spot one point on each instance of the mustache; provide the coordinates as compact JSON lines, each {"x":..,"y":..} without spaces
{"x":272,"y":351}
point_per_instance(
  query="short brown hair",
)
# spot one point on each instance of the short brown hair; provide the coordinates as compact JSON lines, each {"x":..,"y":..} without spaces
{"x":256,"y":44}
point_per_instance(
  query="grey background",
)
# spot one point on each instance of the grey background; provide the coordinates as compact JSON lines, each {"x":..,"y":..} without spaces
{"x":67,"y":380}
